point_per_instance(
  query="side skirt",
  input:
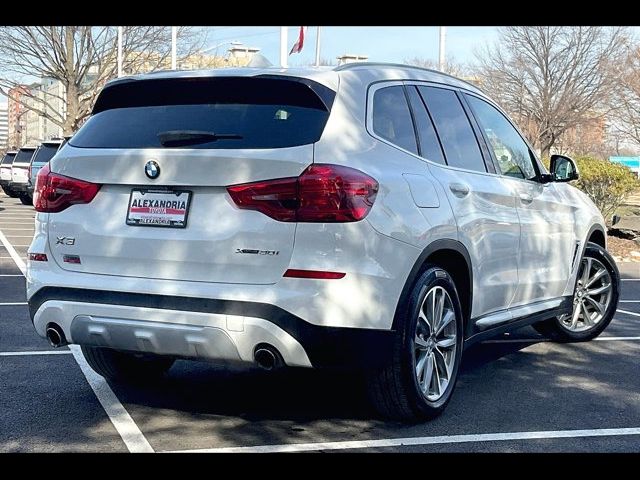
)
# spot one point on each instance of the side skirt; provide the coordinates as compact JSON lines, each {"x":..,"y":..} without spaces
{"x":566,"y":306}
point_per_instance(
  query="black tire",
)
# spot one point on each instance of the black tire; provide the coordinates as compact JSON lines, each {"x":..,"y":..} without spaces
{"x":26,"y":200}
{"x":10,"y":192}
{"x":394,"y":389}
{"x":126,"y":367}
{"x":555,"y":330}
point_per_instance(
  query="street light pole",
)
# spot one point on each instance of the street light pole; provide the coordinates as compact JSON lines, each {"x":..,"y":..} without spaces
{"x":283,"y":47}
{"x":119,"y":51}
{"x":318,"y":47}
{"x":174,"y":41}
{"x":441,"y":57}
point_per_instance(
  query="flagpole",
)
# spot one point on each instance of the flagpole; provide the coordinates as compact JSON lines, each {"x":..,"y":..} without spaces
{"x":119,"y":51}
{"x":283,"y":47}
{"x":174,"y":41}
{"x":318,"y":47}
{"x":441,"y":59}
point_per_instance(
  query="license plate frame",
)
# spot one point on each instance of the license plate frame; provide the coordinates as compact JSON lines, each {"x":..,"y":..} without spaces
{"x":135,"y":222}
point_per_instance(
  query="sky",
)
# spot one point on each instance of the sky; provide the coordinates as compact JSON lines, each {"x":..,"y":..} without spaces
{"x":381,"y":44}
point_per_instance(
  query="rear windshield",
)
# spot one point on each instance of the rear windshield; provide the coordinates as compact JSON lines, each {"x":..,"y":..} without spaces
{"x":45,"y":153}
{"x":227,"y":112}
{"x":24,"y":155}
{"x":8,"y":159}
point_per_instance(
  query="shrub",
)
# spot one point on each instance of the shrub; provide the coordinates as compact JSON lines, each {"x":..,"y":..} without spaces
{"x":607,"y":184}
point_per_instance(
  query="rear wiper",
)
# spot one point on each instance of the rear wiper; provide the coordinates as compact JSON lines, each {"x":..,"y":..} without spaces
{"x":181,"y":138}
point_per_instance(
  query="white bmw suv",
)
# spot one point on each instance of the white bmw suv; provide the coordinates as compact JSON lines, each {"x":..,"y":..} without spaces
{"x":377,"y":217}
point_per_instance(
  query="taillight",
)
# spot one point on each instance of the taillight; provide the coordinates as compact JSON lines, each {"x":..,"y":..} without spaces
{"x":54,"y":192}
{"x":322,"y":193}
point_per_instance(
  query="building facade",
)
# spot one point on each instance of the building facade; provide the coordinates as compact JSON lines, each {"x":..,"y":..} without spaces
{"x":4,"y":125}
{"x":15,"y":115}
{"x":44,"y":102}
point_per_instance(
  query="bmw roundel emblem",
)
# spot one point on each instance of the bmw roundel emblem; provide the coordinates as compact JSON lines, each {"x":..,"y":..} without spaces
{"x":152,"y":169}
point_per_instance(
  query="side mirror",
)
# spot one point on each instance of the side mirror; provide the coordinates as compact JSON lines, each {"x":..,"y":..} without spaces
{"x":563,"y":169}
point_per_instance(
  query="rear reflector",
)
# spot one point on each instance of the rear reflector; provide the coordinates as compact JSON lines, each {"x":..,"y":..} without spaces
{"x":38,"y":257}
{"x":293,"y":273}
{"x":71,"y":259}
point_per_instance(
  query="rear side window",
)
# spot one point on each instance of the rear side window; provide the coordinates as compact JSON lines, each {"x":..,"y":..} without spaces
{"x":209,"y":113}
{"x":45,"y":153}
{"x":8,"y":159}
{"x":392,"y":118}
{"x":429,"y":143}
{"x":24,"y":155}
{"x":452,"y":124}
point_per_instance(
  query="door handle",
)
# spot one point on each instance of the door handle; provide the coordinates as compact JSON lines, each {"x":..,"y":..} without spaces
{"x":526,"y":198}
{"x":459,"y":189}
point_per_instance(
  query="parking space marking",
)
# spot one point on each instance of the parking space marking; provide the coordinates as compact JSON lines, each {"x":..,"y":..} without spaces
{"x":12,"y":304}
{"x":11,"y":275}
{"x":32,"y":352}
{"x":412,"y":441}
{"x":626,"y":312}
{"x":630,"y":279}
{"x":540,"y":340}
{"x":131,"y":435}
{"x":619,"y":301}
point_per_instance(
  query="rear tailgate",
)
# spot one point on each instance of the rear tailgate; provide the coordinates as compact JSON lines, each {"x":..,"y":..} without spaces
{"x":275,"y":123}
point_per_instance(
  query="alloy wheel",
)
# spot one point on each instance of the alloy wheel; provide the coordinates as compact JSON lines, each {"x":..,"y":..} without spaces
{"x":592,"y":296}
{"x":435,"y":343}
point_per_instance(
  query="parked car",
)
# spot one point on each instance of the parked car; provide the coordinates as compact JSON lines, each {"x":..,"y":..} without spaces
{"x":356,"y":217}
{"x":42,"y":155}
{"x":20,"y":174}
{"x":5,"y":173}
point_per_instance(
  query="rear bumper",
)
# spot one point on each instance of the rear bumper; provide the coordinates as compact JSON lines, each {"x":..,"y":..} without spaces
{"x":202,"y":328}
{"x":18,"y":187}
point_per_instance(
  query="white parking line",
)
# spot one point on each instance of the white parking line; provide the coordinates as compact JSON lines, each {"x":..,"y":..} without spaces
{"x":413,"y":441}
{"x":626,"y":312}
{"x":131,"y":435}
{"x":31,"y":352}
{"x":19,"y":236}
{"x":540,"y":340}
{"x":11,"y":275}
{"x":630,"y":279}
{"x":619,"y":301}
{"x":17,"y":229}
{"x":12,"y":304}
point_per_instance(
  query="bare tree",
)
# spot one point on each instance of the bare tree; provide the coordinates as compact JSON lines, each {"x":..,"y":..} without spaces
{"x":552,"y":79}
{"x":626,"y":100}
{"x":452,"y":67}
{"x":82,"y":59}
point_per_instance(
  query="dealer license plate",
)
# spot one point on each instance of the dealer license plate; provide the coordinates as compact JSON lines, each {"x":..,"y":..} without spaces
{"x":158,"y":208}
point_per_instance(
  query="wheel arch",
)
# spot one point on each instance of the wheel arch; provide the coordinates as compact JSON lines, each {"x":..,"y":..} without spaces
{"x":597,"y":235}
{"x":450,"y":255}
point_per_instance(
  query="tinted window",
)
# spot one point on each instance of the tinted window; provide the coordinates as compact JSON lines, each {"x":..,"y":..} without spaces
{"x":511,"y":151}
{"x":24,"y":155}
{"x":458,"y":140}
{"x":254,"y":112}
{"x":427,"y":138}
{"x":8,"y":159}
{"x":392,"y":118}
{"x":45,"y":153}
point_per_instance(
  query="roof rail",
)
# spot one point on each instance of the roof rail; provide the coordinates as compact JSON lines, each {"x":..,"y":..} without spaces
{"x":348,"y":66}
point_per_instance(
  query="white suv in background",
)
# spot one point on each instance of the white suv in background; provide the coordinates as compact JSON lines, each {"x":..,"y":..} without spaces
{"x":371,"y":216}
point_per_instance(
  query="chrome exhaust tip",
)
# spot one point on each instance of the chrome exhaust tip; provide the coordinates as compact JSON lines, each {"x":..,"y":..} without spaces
{"x":55,"y":336}
{"x":267,"y":357}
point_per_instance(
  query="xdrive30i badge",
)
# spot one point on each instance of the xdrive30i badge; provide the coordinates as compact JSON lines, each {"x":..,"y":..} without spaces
{"x":252,"y":251}
{"x":152,"y":169}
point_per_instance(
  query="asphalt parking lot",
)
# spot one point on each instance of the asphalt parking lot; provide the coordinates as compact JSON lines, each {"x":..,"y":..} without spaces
{"x":517,"y":393}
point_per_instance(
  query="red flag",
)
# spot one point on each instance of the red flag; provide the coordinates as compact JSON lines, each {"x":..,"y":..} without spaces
{"x":297,"y":47}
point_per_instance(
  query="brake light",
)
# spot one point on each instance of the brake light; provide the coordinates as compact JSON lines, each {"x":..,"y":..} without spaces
{"x":54,"y":192}
{"x":318,"y":274}
{"x":322,"y":193}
